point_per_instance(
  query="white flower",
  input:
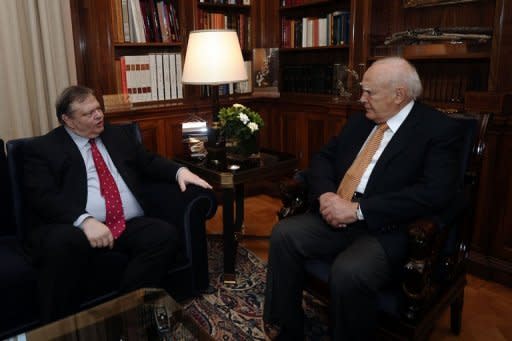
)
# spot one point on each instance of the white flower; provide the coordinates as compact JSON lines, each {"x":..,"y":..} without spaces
{"x":252,"y":126}
{"x":243,"y":117}
{"x":238,"y":105}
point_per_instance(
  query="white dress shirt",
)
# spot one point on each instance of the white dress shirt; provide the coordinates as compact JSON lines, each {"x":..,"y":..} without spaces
{"x":393,"y":123}
{"x":95,"y":206}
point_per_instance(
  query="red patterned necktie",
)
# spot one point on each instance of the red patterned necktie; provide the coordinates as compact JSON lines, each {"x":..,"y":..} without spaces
{"x":114,"y":208}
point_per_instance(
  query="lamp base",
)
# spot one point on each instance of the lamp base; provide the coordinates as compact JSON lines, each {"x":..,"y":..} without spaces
{"x":216,"y":147}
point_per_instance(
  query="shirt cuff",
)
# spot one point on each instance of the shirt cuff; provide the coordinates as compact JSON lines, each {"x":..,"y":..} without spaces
{"x":359,"y":213}
{"x":81,"y":219}
{"x":179,"y":171}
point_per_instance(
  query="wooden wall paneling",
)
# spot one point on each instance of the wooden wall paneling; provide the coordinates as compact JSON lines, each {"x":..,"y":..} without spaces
{"x":360,"y":29}
{"x":265,"y":23}
{"x":499,"y":75}
{"x":270,"y":134}
{"x":502,"y":247}
{"x":94,"y":52}
{"x":153,"y":135}
{"x":174,"y":135}
{"x":291,"y":135}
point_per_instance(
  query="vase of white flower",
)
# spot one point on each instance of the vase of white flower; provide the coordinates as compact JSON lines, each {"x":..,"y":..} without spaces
{"x":240,"y":127}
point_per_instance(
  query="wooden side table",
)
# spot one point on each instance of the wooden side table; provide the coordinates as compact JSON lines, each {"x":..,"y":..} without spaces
{"x":231,"y":176}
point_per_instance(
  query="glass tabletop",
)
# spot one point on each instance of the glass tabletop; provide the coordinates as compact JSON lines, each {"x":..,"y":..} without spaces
{"x":144,"y":314}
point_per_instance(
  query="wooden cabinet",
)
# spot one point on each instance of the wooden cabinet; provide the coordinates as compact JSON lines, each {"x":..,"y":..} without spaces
{"x":300,"y":122}
{"x":491,"y":248}
{"x":300,"y":126}
{"x":161,"y":125}
{"x":448,"y":68}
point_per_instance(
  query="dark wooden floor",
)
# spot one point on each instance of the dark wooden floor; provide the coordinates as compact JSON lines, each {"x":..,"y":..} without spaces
{"x":487,"y":314}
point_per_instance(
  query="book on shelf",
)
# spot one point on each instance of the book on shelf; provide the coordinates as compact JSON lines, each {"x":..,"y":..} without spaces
{"x":330,"y":30}
{"x":238,"y":88}
{"x":145,"y":21}
{"x":151,"y":77}
{"x":227,"y":2}
{"x":308,"y":78}
{"x":239,"y":22}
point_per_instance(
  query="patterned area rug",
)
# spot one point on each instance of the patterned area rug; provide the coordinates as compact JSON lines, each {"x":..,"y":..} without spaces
{"x":234,"y":312}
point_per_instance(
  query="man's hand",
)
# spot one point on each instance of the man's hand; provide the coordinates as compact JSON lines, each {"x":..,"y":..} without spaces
{"x":336,"y":211}
{"x":97,"y":233}
{"x":185,"y":177}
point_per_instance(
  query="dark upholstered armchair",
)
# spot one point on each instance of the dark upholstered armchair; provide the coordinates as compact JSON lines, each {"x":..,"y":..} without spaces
{"x":187,"y":277}
{"x":434,"y":276}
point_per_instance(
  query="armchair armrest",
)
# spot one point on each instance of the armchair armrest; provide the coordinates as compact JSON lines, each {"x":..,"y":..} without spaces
{"x":426,"y":261}
{"x":294,"y":195}
{"x":188,"y":211}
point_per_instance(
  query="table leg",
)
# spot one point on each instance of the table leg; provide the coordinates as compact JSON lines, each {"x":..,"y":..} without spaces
{"x":232,"y":222}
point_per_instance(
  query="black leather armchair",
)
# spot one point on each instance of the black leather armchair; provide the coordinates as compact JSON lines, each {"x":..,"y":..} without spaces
{"x":187,"y":277}
{"x":434,"y":276}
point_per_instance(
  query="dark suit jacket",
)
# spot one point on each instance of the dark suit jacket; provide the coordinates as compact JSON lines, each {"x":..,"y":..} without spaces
{"x":55,"y":175}
{"x":416,"y":175}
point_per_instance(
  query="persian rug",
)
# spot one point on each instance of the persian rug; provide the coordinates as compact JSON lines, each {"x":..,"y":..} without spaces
{"x":234,"y":311}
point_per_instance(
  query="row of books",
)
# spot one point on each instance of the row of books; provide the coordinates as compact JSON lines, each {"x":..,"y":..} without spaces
{"x":147,"y":21}
{"x":288,"y":3}
{"x":241,"y":23}
{"x":233,"y":88}
{"x":312,"y":78}
{"x":331,"y":30}
{"x":152,"y":77}
{"x":227,"y":2}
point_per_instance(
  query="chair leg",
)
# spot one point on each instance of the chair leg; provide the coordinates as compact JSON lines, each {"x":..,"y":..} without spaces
{"x":456,"y":314}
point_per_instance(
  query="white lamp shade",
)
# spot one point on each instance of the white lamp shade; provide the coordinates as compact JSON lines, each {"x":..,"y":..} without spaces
{"x":213,"y":57}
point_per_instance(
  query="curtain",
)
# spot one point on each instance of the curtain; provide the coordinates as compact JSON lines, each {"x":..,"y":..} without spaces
{"x":37,"y":63}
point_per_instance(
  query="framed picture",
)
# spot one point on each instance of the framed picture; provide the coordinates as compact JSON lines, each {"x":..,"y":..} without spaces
{"x":426,"y":3}
{"x":266,"y":70}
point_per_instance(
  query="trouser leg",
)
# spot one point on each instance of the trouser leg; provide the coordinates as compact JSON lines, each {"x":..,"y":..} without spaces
{"x":151,"y":245}
{"x":292,"y":241}
{"x":356,"y":276}
{"x":63,"y":254}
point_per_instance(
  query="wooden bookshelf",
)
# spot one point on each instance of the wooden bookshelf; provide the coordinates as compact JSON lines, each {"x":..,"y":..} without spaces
{"x":301,"y":122}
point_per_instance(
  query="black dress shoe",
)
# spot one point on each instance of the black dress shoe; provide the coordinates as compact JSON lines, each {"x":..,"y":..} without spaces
{"x":275,"y":333}
{"x":271,"y":331}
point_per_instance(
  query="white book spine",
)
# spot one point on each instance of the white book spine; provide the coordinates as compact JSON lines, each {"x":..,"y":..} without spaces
{"x":167,"y":77}
{"x":172,"y":68}
{"x":160,"y":76}
{"x":154,"y":76}
{"x":146,"y":77}
{"x":178,"y":75}
{"x":138,"y":22}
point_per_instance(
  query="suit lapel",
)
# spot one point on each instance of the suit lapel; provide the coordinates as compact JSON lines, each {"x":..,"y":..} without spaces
{"x":399,"y":141}
{"x":76,"y":164}
{"x":356,"y":141}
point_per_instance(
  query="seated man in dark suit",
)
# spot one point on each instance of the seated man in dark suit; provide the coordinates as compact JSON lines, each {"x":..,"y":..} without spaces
{"x":394,"y":163}
{"x":83,"y":183}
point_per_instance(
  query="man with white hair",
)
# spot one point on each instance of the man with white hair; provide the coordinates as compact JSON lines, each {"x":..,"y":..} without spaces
{"x":390,"y":165}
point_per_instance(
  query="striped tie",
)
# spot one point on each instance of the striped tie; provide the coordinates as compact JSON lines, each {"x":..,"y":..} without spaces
{"x":114,"y":218}
{"x":353,"y":176}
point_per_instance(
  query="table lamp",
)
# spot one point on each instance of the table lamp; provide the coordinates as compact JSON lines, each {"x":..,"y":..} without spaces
{"x":213,"y":57}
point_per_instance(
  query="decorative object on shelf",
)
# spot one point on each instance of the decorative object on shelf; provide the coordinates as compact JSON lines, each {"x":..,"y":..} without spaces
{"x":473,"y":34}
{"x":240,"y":127}
{"x":266,"y":71}
{"x":428,"y":3}
{"x":213,"y":57}
{"x":195,"y":134}
{"x":345,"y":83}
{"x":116,"y":102}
